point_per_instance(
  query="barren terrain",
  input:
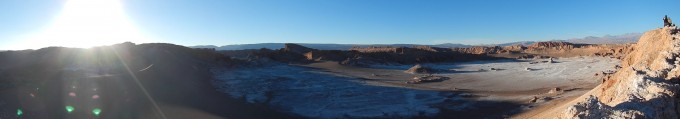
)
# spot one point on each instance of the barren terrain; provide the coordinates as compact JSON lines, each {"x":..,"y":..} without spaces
{"x":331,"y":90}
{"x":160,"y":80}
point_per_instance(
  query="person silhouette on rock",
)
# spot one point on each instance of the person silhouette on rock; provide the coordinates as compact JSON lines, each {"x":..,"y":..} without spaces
{"x":667,"y":21}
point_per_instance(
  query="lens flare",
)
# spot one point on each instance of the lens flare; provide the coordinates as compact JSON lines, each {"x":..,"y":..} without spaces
{"x":153,"y":102}
{"x":19,"y":112}
{"x":96,"y":111}
{"x":69,"y":109}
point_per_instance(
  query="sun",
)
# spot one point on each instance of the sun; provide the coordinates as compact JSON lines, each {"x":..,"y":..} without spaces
{"x":87,"y":23}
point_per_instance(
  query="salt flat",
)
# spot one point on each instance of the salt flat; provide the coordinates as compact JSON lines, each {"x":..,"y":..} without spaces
{"x":307,"y":93}
{"x":510,"y":75}
{"x":566,"y":73}
{"x":330,"y":90}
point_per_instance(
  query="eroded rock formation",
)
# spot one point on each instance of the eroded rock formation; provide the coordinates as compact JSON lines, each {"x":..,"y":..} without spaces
{"x":365,"y":56}
{"x":420,"y":69}
{"x":551,"y":49}
{"x":551,"y":44}
{"x":295,"y":48}
{"x":645,"y":87}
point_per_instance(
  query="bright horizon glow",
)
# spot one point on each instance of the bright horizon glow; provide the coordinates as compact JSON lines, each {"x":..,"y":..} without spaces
{"x":84,"y":24}
{"x":228,"y":22}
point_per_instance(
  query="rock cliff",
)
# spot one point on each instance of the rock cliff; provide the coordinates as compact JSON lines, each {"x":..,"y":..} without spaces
{"x":645,"y":87}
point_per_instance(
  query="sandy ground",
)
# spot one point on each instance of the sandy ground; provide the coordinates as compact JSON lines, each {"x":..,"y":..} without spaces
{"x":330,"y":90}
{"x":309,"y":93}
{"x":513,"y":83}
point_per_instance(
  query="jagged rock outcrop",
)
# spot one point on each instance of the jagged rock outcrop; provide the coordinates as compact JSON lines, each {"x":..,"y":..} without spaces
{"x":515,"y":48}
{"x":532,"y":57}
{"x":551,"y":44}
{"x":420,"y":69}
{"x":291,"y":53}
{"x":645,"y":87}
{"x":479,"y":50}
{"x":617,"y":52}
{"x":401,"y":50}
{"x":365,"y":56}
{"x":327,"y":55}
{"x":551,"y":49}
{"x":358,"y":56}
{"x":295,"y":48}
{"x":591,"y":108}
{"x":412,"y":55}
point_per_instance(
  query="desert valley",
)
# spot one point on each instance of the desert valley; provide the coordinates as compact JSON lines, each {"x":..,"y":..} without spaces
{"x":339,"y":59}
{"x":550,"y":79}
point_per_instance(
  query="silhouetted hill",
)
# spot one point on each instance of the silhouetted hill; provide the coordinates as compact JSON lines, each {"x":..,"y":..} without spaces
{"x":128,"y":81}
{"x":204,"y":46}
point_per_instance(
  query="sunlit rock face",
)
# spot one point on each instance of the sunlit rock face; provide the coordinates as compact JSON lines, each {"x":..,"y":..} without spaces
{"x":646,"y":86}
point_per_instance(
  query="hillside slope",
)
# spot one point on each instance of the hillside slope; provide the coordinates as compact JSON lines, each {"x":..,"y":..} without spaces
{"x":645,"y":87}
{"x":124,"y":81}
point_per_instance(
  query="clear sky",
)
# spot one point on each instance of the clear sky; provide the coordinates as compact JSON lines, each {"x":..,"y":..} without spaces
{"x":223,"y":22}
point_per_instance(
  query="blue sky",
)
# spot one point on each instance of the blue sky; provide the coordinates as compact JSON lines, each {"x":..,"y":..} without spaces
{"x":223,"y":22}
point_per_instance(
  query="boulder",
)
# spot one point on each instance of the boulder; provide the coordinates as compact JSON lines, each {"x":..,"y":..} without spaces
{"x":555,"y":90}
{"x":533,"y":100}
{"x":295,"y":48}
{"x":420,"y":69}
{"x":426,"y":79}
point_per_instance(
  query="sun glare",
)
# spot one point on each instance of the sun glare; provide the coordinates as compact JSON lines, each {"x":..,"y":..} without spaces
{"x":86,"y":23}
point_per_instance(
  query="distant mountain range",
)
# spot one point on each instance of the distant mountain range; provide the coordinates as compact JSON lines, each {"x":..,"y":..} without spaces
{"x":607,"y":39}
{"x":524,"y":43}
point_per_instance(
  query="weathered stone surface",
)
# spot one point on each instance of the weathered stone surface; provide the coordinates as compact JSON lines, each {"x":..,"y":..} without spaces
{"x":646,"y":86}
{"x":420,"y":69}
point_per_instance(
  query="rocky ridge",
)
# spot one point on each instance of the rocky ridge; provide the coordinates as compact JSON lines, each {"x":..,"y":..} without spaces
{"x":645,"y":87}
{"x":386,"y":55}
{"x":551,"y":49}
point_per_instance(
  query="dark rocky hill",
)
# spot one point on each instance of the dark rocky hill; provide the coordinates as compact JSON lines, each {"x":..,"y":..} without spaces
{"x":122,"y":81}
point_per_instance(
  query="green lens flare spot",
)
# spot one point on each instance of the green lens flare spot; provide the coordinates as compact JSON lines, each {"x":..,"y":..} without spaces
{"x":69,"y":108}
{"x":19,"y":112}
{"x":96,"y":111}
